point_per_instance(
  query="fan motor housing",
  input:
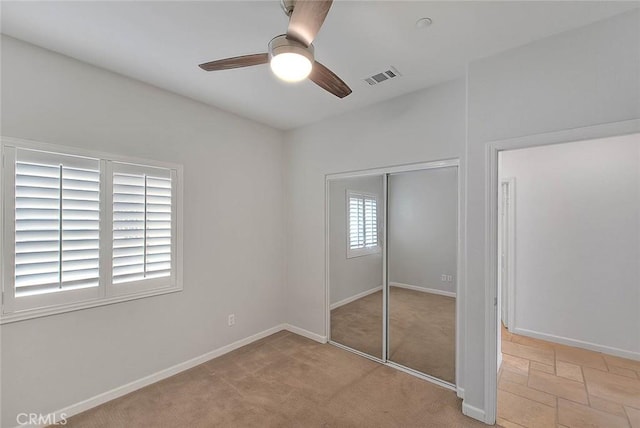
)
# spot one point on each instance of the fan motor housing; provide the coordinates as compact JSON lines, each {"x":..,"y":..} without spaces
{"x":280,"y":44}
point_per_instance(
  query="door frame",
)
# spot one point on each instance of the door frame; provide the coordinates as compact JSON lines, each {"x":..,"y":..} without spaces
{"x":492,"y":149}
{"x":384,"y":172}
{"x":507,"y":220}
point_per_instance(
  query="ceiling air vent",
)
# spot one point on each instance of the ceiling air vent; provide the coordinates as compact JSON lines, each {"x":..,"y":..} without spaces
{"x":391,"y":73}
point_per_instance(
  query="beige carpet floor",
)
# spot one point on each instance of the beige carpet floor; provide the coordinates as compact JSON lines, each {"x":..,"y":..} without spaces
{"x":422,"y":329}
{"x":284,"y":380}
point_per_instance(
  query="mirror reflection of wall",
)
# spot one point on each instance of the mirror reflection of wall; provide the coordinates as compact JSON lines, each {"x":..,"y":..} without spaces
{"x":355,"y":263}
{"x":422,"y":266}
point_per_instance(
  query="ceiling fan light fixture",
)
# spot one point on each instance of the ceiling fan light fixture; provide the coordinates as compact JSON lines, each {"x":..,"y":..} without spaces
{"x":291,"y":56}
{"x":290,"y":66}
{"x":290,"y":60}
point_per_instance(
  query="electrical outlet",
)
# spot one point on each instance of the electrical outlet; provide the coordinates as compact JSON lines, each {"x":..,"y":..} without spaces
{"x":443,"y":277}
{"x":449,"y":278}
{"x":231,"y":320}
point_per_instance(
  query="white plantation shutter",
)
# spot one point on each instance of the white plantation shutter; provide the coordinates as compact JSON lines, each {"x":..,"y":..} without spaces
{"x":57,"y":222}
{"x":83,"y":230}
{"x":142,"y":223}
{"x":370,"y":222}
{"x":363,"y":222}
{"x":356,"y":223}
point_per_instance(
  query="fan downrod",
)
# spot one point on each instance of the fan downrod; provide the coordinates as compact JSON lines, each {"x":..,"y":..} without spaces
{"x":287,"y":6}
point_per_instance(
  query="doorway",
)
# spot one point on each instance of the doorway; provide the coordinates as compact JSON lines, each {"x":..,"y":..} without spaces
{"x":568,"y":321}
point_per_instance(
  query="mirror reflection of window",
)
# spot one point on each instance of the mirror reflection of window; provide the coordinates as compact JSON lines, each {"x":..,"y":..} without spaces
{"x":362,"y":210}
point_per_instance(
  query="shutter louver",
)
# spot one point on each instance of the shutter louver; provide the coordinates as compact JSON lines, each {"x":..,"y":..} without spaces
{"x":57,"y":223}
{"x":141,"y":227}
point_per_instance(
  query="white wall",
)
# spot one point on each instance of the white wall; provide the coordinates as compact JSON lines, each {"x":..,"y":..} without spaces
{"x":577,"y":247}
{"x":584,"y":77}
{"x":351,"y":276}
{"x":233,"y":230}
{"x":423,"y":228}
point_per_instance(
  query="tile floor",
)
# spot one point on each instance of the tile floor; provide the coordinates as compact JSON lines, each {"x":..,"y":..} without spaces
{"x":544,"y":384}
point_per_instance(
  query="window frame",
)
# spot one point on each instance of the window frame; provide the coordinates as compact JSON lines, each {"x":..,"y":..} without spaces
{"x":106,"y":293}
{"x":362,"y":251}
{"x":143,"y":285}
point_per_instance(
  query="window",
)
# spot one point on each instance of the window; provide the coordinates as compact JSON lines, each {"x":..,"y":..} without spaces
{"x":82,"y":230}
{"x":362,"y":224}
{"x":143,"y":226}
{"x":57,"y":223}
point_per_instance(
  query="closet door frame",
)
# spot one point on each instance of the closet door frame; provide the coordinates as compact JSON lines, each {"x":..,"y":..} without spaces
{"x":385,"y":172}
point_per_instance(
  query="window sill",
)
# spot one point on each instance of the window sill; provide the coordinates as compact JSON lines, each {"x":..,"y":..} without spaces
{"x":361,"y":252}
{"x":60,"y":309}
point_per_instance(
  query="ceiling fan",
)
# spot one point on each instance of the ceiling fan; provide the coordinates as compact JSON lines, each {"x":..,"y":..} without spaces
{"x":291,"y":55}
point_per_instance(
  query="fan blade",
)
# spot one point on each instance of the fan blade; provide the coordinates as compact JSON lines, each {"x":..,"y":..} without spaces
{"x":235,"y":62}
{"x":307,"y":18}
{"x":327,"y":80}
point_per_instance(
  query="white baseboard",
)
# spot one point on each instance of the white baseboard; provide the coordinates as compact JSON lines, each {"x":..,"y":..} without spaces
{"x":579,"y":344}
{"x":306,"y":333}
{"x":460,"y":392}
{"x":473,"y":412}
{"x":423,"y":289}
{"x":119,"y":391}
{"x":354,"y":298}
{"x":392,"y":284}
{"x":499,"y":361}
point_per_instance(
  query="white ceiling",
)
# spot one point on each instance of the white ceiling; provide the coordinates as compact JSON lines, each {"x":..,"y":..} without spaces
{"x":162,"y":42}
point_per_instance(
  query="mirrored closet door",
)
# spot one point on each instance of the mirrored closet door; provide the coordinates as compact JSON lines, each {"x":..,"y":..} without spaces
{"x":422,"y":236}
{"x":355,"y":263}
{"x":392,"y":266}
